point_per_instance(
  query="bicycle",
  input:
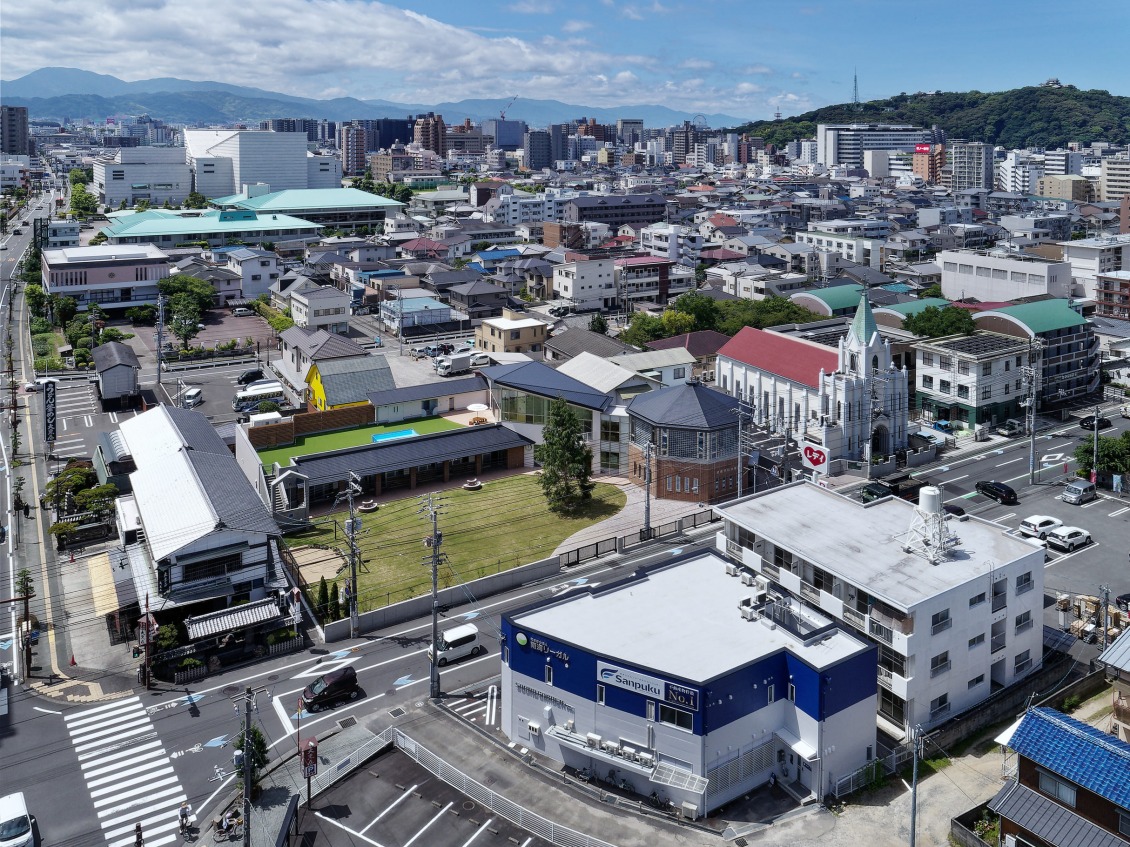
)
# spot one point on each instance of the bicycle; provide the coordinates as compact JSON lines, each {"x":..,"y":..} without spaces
{"x":232,"y":833}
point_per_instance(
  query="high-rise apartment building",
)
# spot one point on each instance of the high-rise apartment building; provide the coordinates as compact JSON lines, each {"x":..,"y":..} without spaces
{"x":352,"y":142}
{"x":683,"y":141}
{"x":14,"y":137}
{"x":970,"y":165}
{"x":306,"y":125}
{"x":537,"y":150}
{"x":1063,"y":162}
{"x":507,"y":134}
{"x":1114,"y":183}
{"x":430,"y":132}
{"x":844,"y":144}
{"x":558,"y":141}
{"x":629,"y":130}
{"x":1020,"y":172}
{"x":928,"y":161}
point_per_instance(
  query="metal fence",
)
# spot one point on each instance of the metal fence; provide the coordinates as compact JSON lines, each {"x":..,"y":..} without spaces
{"x":517,"y":815}
{"x":873,"y":771}
{"x":351,"y":762}
{"x":622,"y":543}
{"x":588,"y":551}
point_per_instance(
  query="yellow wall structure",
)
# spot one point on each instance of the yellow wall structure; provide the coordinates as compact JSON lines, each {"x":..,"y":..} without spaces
{"x":316,"y":395}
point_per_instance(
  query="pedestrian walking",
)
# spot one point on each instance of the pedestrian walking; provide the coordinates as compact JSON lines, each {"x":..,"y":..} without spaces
{"x":138,"y":838}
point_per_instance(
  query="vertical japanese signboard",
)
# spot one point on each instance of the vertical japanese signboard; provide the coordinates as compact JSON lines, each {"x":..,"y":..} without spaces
{"x":49,"y":431}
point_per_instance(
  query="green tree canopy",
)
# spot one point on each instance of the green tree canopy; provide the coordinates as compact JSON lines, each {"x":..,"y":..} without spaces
{"x":933,"y":322}
{"x":598,"y":324}
{"x":259,"y":752}
{"x":196,"y":200}
{"x":200,"y":292}
{"x":566,"y":460}
{"x":704,"y":310}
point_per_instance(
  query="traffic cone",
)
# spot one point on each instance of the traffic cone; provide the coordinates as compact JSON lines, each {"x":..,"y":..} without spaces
{"x":72,"y":556}
{"x":73,"y":662}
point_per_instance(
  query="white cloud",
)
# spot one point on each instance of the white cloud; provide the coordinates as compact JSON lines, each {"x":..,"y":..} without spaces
{"x":696,"y":64}
{"x":751,"y":70}
{"x":631,"y":13}
{"x":743,"y":88}
{"x":531,"y":7}
{"x":575,"y":26}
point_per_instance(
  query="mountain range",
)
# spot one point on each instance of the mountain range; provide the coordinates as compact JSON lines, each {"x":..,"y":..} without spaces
{"x":57,"y":93}
{"x":1040,"y":116}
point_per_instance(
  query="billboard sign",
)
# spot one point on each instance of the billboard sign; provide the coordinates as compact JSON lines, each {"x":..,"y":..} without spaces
{"x":921,"y":148}
{"x":49,"y":424}
{"x":815,"y":458}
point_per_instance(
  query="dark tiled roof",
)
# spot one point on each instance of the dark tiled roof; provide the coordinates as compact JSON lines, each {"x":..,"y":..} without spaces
{"x":1076,"y":751}
{"x":689,"y":405}
{"x":543,"y":381}
{"x":197,"y":431}
{"x":226,"y":620}
{"x":477,"y":289}
{"x":574,"y":341}
{"x":705,"y":342}
{"x":428,"y":391}
{"x":592,"y":201}
{"x":1048,"y":820}
{"x":353,"y":380}
{"x":234,"y":501}
{"x":114,"y":353}
{"x":406,"y":452}
{"x":320,"y":345}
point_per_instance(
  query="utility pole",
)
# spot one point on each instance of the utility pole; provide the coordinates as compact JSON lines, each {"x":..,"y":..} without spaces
{"x":1105,"y":589}
{"x":431,"y":508}
{"x":351,"y":533}
{"x":744,"y":411}
{"x":248,"y":697}
{"x":647,"y":490}
{"x":1030,"y":374}
{"x":160,"y":334}
{"x":148,"y":646}
{"x":915,"y":740}
{"x":1095,"y":448}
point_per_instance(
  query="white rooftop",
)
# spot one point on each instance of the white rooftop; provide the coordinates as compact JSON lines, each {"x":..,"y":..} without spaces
{"x":510,"y":323}
{"x":103,"y":253}
{"x":864,"y":543}
{"x":681,"y":620}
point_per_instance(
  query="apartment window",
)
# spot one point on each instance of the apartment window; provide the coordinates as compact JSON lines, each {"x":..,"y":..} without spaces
{"x":940,"y":622}
{"x":549,"y":674}
{"x":940,"y":663}
{"x":977,"y":680}
{"x":792,"y":693}
{"x":977,"y":640}
{"x":1022,"y":661}
{"x":987,"y":369}
{"x":1024,"y":582}
{"x":928,"y":382}
{"x":771,"y":691}
{"x":599,"y":694}
{"x":675,"y":717}
{"x":944,"y":386}
{"x":986,"y":392}
{"x":928,"y":358}
{"x":945,"y":362}
{"x":963,"y":392}
{"x":1124,"y":823}
{"x":679,"y":373}
{"x":1023,"y":622}
{"x":1060,"y":789}
{"x":1007,"y":365}
{"x":940,"y":705}
{"x":1018,"y":362}
{"x":963,"y":368}
{"x":1007,"y":389}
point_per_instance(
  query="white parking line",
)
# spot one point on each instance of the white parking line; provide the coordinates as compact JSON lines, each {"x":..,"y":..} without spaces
{"x":1092,"y":503}
{"x":1119,"y":512}
{"x":479,"y":832}
{"x":352,"y":832}
{"x":393,"y":805}
{"x":1010,"y":461}
{"x":1006,"y":517}
{"x":1065,"y":556}
{"x":439,"y":815}
{"x":956,"y":479}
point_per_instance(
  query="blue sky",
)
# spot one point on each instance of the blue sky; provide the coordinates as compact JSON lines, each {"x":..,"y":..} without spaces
{"x":746,"y":58}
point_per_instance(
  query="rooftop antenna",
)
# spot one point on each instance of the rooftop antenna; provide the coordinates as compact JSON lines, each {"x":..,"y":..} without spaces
{"x":855,"y":104}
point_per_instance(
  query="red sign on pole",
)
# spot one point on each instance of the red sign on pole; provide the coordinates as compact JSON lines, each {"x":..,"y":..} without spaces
{"x":310,"y":759}
{"x":815,"y":458}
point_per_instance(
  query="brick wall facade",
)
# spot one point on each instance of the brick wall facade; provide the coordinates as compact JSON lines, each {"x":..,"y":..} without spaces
{"x":307,"y":423}
{"x":709,"y":482}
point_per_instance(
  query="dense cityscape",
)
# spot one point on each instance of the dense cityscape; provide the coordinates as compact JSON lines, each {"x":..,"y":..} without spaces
{"x":506,"y":471}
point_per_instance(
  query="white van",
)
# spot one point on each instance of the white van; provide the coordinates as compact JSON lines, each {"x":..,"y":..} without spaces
{"x":457,"y":643}
{"x":193,"y":397}
{"x":241,"y":312}
{"x":15,"y":822}
{"x":1079,"y":492}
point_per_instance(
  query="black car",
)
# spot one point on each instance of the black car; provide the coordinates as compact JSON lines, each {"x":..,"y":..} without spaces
{"x":1123,"y":602}
{"x":250,"y":376}
{"x":951,"y":509}
{"x":1090,"y":422}
{"x":333,"y":687}
{"x":874,"y":491}
{"x":997,"y":491}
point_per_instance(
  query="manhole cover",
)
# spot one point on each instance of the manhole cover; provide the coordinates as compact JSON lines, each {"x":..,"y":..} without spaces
{"x":468,"y":805}
{"x":397,"y":712}
{"x":273,"y":678}
{"x":345,"y":723}
{"x":229,"y":690}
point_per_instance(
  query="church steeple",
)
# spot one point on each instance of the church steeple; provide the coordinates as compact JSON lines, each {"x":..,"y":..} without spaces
{"x":863,"y":325}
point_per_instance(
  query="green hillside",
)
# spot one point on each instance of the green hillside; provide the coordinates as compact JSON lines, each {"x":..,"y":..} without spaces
{"x":1024,"y":117}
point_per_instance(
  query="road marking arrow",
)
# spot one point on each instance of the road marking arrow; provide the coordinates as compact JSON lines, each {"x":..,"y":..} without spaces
{"x":404,"y":680}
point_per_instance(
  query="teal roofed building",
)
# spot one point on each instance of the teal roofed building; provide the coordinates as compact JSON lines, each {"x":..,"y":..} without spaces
{"x":834,"y":301}
{"x":894,"y":313}
{"x":346,"y":209}
{"x":174,"y":227}
{"x":1066,"y":343}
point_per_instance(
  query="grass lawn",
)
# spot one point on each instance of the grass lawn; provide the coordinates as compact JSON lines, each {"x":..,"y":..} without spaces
{"x":348,"y":438}
{"x":505,"y":524}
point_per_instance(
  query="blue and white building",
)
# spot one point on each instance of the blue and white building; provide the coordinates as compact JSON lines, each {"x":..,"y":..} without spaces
{"x":690,"y":679}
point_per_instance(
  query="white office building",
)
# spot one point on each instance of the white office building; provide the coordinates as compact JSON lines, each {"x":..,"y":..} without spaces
{"x":158,"y":175}
{"x":225,"y":160}
{"x":955,"y":606}
{"x":998,"y":276}
{"x":586,"y":285}
{"x":680,"y":244}
{"x":752,"y":687}
{"x":845,"y":144}
{"x":1090,"y":257}
{"x":1020,"y":172}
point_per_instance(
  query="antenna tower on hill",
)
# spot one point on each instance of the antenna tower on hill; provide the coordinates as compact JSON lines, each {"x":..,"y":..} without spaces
{"x":855,"y":104}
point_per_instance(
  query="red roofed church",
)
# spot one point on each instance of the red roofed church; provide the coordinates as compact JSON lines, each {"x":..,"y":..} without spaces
{"x":851,"y":403}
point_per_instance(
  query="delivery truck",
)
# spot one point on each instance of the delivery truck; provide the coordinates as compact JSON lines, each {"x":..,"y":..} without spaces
{"x":455,"y":363}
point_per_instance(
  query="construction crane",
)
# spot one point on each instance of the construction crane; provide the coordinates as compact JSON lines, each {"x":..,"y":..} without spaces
{"x":502,"y":114}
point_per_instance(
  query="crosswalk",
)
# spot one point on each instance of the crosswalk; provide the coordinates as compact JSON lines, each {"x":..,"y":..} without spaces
{"x":128,"y":773}
{"x":486,"y":711}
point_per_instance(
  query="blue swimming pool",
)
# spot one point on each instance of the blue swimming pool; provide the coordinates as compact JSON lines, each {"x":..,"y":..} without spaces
{"x":392,"y":436}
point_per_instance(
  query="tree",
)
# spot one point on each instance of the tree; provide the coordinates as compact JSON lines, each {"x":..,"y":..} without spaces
{"x":259,"y":753}
{"x":36,"y":298}
{"x":566,"y":460}
{"x":269,"y":406}
{"x":167,"y":637}
{"x":643,"y":328}
{"x":200,"y":291}
{"x":98,"y":499}
{"x":335,"y":603}
{"x":598,"y":324}
{"x":934,"y":290}
{"x":676,"y":323}
{"x":64,"y":310}
{"x":933,"y":322}
{"x":703,"y":309}
{"x":323,"y":597}
{"x":196,"y":200}
{"x":25,"y":585}
{"x":99,"y":238}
